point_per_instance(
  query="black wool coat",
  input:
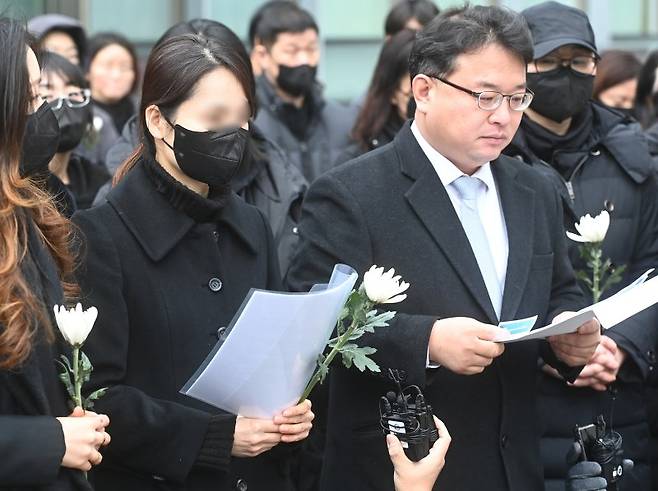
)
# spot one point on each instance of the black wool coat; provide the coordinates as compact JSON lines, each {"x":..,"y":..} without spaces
{"x":390,"y":208}
{"x":164,"y":286}
{"x":31,"y":397}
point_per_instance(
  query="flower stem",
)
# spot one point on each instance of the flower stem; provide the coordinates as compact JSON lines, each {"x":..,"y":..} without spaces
{"x":77,"y":379}
{"x":596,"y":273}
{"x":340,"y":342}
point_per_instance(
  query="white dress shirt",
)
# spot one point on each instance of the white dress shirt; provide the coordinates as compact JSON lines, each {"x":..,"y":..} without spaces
{"x":488,"y":204}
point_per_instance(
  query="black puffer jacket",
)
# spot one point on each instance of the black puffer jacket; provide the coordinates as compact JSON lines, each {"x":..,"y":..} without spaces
{"x":611,"y":169}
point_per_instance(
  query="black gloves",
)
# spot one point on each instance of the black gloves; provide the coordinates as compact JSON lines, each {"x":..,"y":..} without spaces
{"x":583,"y":476}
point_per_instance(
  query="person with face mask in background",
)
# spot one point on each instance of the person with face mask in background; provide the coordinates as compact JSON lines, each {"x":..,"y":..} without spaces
{"x":44,"y":446}
{"x":293,"y":113}
{"x":598,"y":159}
{"x":615,"y":83}
{"x":168,"y":260}
{"x":72,"y":177}
{"x":389,"y":102}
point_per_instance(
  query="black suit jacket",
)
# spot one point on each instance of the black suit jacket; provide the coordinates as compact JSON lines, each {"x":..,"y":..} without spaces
{"x":390,"y":208}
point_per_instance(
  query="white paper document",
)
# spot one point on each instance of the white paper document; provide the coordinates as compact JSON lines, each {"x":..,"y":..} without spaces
{"x":270,"y":353}
{"x":639,"y":295}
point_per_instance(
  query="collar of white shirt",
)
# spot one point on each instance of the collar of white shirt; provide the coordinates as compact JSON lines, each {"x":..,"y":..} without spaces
{"x":446,"y":170}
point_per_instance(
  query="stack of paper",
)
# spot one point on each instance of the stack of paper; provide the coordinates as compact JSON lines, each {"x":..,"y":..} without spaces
{"x":272,"y":348}
{"x":639,"y":295}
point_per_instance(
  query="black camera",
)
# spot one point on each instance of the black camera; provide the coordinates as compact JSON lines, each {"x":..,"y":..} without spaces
{"x":406,"y":415}
{"x":604,"y":446}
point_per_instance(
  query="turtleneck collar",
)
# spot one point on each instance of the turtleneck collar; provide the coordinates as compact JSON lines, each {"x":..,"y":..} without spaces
{"x":182,"y":198}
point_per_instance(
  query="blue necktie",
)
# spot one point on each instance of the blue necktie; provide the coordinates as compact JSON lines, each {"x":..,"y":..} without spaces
{"x":468,"y":189}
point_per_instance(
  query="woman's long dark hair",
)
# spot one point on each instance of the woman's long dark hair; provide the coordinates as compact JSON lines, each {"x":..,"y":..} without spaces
{"x":22,"y":313}
{"x":645,"y":99}
{"x":392,"y":66}
{"x":173,"y":70}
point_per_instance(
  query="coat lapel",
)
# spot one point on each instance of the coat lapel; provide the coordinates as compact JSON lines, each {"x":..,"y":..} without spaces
{"x":431,"y":203}
{"x":518,"y":204}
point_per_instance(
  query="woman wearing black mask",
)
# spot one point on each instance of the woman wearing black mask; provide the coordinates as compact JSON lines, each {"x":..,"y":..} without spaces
{"x":74,"y":180}
{"x":43,"y":446}
{"x":169,"y":259}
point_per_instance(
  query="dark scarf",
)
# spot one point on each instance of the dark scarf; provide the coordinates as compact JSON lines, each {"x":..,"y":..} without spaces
{"x":551,"y":148}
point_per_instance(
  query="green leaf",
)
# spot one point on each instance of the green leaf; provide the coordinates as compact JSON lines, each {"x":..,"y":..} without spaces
{"x":380,"y":320}
{"x":361,"y":360}
{"x":323,"y":370}
{"x":85,"y":367}
{"x":65,"y":377}
{"x":64,"y":361}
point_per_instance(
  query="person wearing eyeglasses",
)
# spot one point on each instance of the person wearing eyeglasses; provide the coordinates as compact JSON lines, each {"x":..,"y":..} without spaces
{"x":73,"y":179}
{"x":598,"y":160}
{"x":480,"y":239}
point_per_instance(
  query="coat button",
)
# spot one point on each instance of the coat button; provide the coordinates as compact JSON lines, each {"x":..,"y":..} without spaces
{"x":220,"y":332}
{"x":652,"y":356}
{"x":503,"y":441}
{"x":215,"y":284}
{"x":609,"y":206}
{"x":595,"y":152}
{"x":295,"y":230}
{"x":241,"y":485}
{"x":215,"y":235}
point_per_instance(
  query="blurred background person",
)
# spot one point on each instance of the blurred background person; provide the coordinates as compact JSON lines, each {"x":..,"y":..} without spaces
{"x":615,"y":83}
{"x":409,"y":14}
{"x":74,"y":180}
{"x":60,"y":34}
{"x":387,"y":104}
{"x":43,"y":445}
{"x":254,"y":22}
{"x":646,"y":98}
{"x":293,"y":113}
{"x":112,"y":71}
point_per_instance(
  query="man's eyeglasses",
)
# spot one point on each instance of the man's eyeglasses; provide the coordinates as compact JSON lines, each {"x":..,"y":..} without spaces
{"x":581,"y":64}
{"x":490,"y":100}
{"x":72,"y":100}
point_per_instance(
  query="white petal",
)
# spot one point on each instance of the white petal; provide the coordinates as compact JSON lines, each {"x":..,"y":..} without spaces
{"x":396,"y":299}
{"x":576,"y":238}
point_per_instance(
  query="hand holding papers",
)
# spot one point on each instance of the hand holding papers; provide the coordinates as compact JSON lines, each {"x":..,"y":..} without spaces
{"x":278,"y":339}
{"x":636,"y":297}
{"x":271,"y":350}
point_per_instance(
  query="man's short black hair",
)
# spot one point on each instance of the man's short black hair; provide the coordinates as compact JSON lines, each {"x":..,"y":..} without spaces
{"x":466,"y":30}
{"x":277,"y":17}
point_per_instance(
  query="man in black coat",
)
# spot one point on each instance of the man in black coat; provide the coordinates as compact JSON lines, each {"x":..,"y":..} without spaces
{"x":402,"y":206}
{"x":598,"y":159}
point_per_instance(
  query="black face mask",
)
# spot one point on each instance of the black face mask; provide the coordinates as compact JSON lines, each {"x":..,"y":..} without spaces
{"x":209,"y":156}
{"x":40,"y":141}
{"x":560,"y":93}
{"x":296,"y":80}
{"x":73,"y":123}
